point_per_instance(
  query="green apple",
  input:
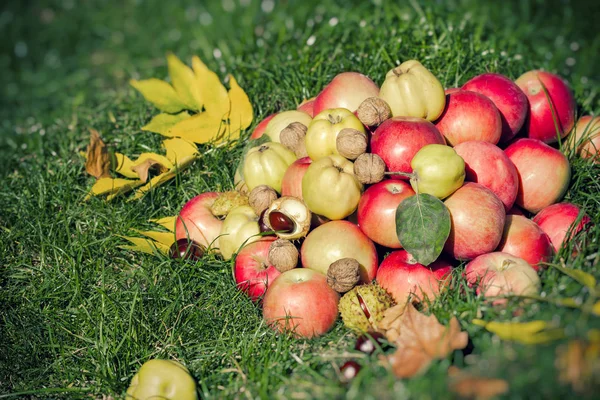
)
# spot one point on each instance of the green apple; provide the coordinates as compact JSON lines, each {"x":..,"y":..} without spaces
{"x":322,"y":132}
{"x":266,"y":164}
{"x":437,"y":170}
{"x":162,"y":379}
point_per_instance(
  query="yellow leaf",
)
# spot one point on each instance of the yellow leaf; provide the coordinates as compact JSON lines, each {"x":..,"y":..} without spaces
{"x":596,"y":308}
{"x":184,"y":82}
{"x":144,"y":245}
{"x":180,"y":151}
{"x":533,"y":332}
{"x":162,"y":160}
{"x":166,"y":222}
{"x":580,"y":276}
{"x":112,"y":187}
{"x":154,"y":182}
{"x":214,"y":94}
{"x":161,"y":123}
{"x":240,"y":116}
{"x":143,"y":169}
{"x":124,"y":165}
{"x":97,"y":161}
{"x":201,"y":128}
{"x":159,"y":93}
{"x":166,"y":238}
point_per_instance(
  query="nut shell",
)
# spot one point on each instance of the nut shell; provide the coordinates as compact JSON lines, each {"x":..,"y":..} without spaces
{"x":292,"y":137}
{"x":373,"y":111}
{"x":351,"y":143}
{"x":343,"y":274}
{"x":369,"y":168}
{"x":283,"y":255}
{"x":261,"y":197}
{"x":362,"y":307}
{"x":288,"y":208}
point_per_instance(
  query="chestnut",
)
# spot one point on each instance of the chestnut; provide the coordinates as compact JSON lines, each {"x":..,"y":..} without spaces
{"x":349,"y":370}
{"x":280,"y":222}
{"x":368,"y":343}
{"x":186,"y":249}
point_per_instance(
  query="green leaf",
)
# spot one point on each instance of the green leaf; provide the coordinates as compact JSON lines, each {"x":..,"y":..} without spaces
{"x":423,"y":226}
{"x":159,"y":93}
{"x":161,"y":123}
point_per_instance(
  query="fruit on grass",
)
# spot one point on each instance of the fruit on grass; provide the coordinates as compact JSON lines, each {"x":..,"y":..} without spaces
{"x":373,"y":112}
{"x":368,"y":343}
{"x":346,"y":90}
{"x":266,"y":164}
{"x":501,"y":274}
{"x":288,"y":217}
{"x":325,"y":127}
{"x":335,"y":240}
{"x":561,"y":219}
{"x":261,"y":197}
{"x":585,"y":138}
{"x":398,"y":139}
{"x":293,"y":137}
{"x":240,"y":228}
{"x":506,"y":96}
{"x":196,"y":221}
{"x":253,"y":273}
{"x":376,"y":211}
{"x":343,"y":274}
{"x":186,"y":249}
{"x":544,"y":173}
{"x":308,"y":106}
{"x":477,"y":216}
{"x":162,"y":379}
{"x":412,"y":91}
{"x":362,"y":307}
{"x":283,"y":120}
{"x":291,"y":184}
{"x":551,"y":105}
{"x":488,"y":165}
{"x":330,"y":188}
{"x":402,"y":277}
{"x":469,"y":116}
{"x":523,"y":238}
{"x":300,"y":302}
{"x":437,"y":170}
{"x":262,"y":126}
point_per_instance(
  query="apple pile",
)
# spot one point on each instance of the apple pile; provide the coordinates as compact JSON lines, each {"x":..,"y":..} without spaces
{"x":319,"y":189}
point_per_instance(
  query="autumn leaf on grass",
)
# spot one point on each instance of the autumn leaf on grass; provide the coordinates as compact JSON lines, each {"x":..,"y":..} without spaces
{"x":123,"y":166}
{"x":97,"y":161}
{"x":166,"y":222}
{"x":578,"y":364}
{"x":200,"y":128}
{"x":159,"y":93}
{"x":161,"y":123}
{"x":185,"y":83}
{"x":240,"y":116}
{"x":216,"y":99}
{"x":533,"y":332}
{"x":475,"y":387}
{"x":422,"y":339}
{"x":145,"y":245}
{"x":147,"y":161}
{"x":112,"y":187}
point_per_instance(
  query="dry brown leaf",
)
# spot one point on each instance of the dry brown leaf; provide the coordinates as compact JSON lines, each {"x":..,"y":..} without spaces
{"x":143,"y":169}
{"x":578,"y":364}
{"x":97,"y":161}
{"x":475,"y":387}
{"x":419,"y":340}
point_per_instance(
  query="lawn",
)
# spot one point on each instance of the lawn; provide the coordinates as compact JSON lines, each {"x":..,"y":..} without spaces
{"x":79,"y":315}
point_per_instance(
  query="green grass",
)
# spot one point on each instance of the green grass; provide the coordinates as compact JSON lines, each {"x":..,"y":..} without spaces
{"x":78,"y":316}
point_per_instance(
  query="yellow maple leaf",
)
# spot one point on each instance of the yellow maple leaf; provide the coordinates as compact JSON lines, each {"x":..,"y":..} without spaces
{"x":161,"y":123}
{"x":124,"y":165}
{"x":241,"y":113}
{"x":180,"y":152}
{"x":159,"y":93}
{"x":201,"y":128}
{"x":112,"y":187}
{"x":216,"y":99}
{"x":144,"y":245}
{"x":185,"y":83}
{"x":166,"y":238}
{"x":166,"y":222}
{"x":532,"y":332}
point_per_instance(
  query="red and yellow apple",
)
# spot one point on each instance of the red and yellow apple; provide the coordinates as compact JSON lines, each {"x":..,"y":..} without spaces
{"x":585,"y":138}
{"x":197,"y":222}
{"x":323,"y":130}
{"x":281,"y":121}
{"x":558,"y":220}
{"x":307,"y":106}
{"x":262,"y":126}
{"x":253,"y":273}
{"x":523,"y":238}
{"x":346,"y":90}
{"x":291,"y":184}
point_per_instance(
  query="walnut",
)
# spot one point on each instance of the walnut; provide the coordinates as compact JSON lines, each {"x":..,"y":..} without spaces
{"x":292,"y":137}
{"x":261,"y":197}
{"x":373,"y":111}
{"x":369,"y":168}
{"x":351,"y":143}
{"x":343,"y":274}
{"x":283,"y":255}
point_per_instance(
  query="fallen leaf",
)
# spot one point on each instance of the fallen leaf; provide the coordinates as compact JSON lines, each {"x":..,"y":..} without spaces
{"x":166,"y":222}
{"x":154,"y":182}
{"x":166,"y":238}
{"x":200,"y":128}
{"x":580,"y":276}
{"x":471,"y":386}
{"x":144,"y":245}
{"x":97,"y":161}
{"x":578,"y":364}
{"x":596,"y":308}
{"x":162,"y":122}
{"x":124,"y":165}
{"x":159,"y":93}
{"x":180,"y":152}
{"x":216,"y":99}
{"x":112,"y":187}
{"x":241,"y":113}
{"x":185,"y":83}
{"x":533,"y":332}
{"x":143,"y":169}
{"x":421,"y":340}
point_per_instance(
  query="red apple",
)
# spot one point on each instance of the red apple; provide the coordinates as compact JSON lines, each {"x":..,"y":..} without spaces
{"x":197,"y":222}
{"x":544,"y":173}
{"x":308,"y":106}
{"x":398,"y":139}
{"x":335,"y":240}
{"x":402,"y":276}
{"x":523,"y":238}
{"x":558,"y":220}
{"x":376,"y":214}
{"x":469,"y":116}
{"x":558,"y":103}
{"x":586,"y":138}
{"x":501,"y":274}
{"x":451,"y":90}
{"x":508,"y":98}
{"x":253,"y":273}
{"x":301,"y":302}
{"x":487,"y":164}
{"x":346,"y":90}
{"x":478,"y":218}
{"x":262,"y":125}
{"x":291,"y":184}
